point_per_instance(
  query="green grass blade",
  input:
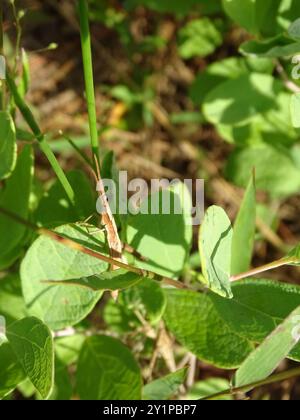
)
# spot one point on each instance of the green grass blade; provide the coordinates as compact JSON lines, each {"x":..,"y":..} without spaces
{"x":88,"y":73}
{"x":29,"y":118}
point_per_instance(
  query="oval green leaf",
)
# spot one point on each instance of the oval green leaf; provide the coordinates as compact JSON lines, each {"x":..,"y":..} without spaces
{"x":197,"y":325}
{"x":107,"y":371}
{"x":61,"y":306}
{"x":32,"y":343}
{"x":164,"y":239}
{"x":257,"y":307}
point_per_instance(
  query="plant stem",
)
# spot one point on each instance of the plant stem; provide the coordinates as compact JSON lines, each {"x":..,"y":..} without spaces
{"x":70,"y":243}
{"x":88,"y":73}
{"x":293,"y":373}
{"x":29,"y":118}
{"x":3,"y":92}
{"x":263,"y":269}
{"x":18,"y":36}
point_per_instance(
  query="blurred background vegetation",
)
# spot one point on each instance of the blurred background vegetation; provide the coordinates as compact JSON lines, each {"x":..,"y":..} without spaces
{"x":175,"y":99}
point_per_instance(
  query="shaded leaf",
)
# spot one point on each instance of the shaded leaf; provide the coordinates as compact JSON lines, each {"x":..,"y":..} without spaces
{"x":12,"y":305}
{"x":11,"y":372}
{"x":54,"y":208}
{"x":164,"y":239}
{"x":119,"y":318}
{"x":107,"y":371}
{"x":15,"y":195}
{"x":280,"y":183}
{"x":244,"y":232}
{"x":251,"y":15}
{"x":220,"y":71}
{"x":147,"y":297}
{"x":62,"y":389}
{"x":240,"y":100}
{"x":197,"y":325}
{"x":215,"y":243}
{"x":164,"y":388}
{"x":61,"y":306}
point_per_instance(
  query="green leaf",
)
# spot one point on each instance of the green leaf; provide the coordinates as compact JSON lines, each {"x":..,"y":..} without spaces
{"x":204,"y":389}
{"x":240,"y":100}
{"x":61,"y":306}
{"x":68,"y":348}
{"x":110,"y":280}
{"x":148,"y":298}
{"x":32,"y":343}
{"x":62,"y":389}
{"x":119,"y":318}
{"x":273,"y":127}
{"x":164,"y":239}
{"x":257,"y":307}
{"x":197,"y":325}
{"x":278,"y":47}
{"x":254,"y":15}
{"x":12,"y":305}
{"x":244,"y":232}
{"x":8,"y":146}
{"x":11,"y":372}
{"x":295,"y":110}
{"x":107,"y":371}
{"x":245,"y":16}
{"x":198,"y":38}
{"x":220,"y":71}
{"x":266,"y":358}
{"x":215,"y":243}
{"x":251,"y":15}
{"x":280,"y":183}
{"x":164,"y":388}
{"x":294,"y":30}
{"x":15,"y":195}
{"x":54,"y":209}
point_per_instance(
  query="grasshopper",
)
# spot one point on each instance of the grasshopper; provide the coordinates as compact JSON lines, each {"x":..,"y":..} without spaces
{"x":71,"y":243}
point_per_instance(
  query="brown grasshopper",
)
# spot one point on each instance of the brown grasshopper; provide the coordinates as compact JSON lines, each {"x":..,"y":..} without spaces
{"x":71,"y":243}
{"x":115,"y":245}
